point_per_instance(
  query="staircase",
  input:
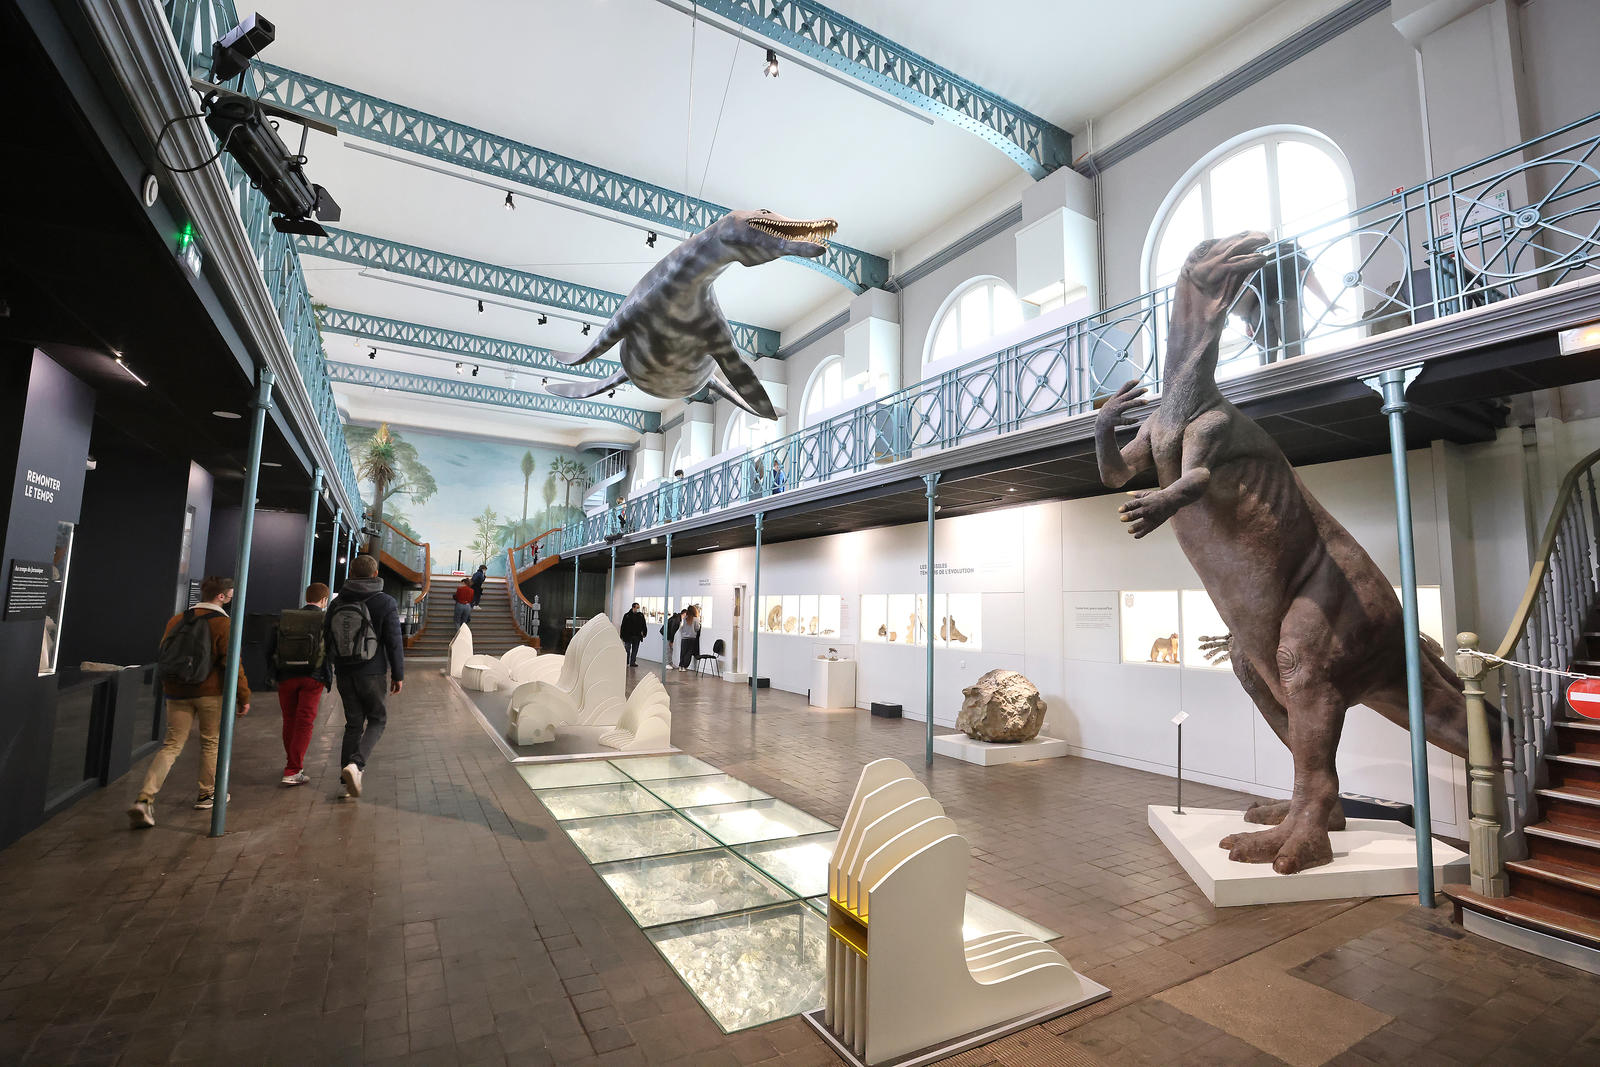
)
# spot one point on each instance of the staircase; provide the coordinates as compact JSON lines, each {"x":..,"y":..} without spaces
{"x":605,"y":473}
{"x":1547,"y":901}
{"x":493,"y":631}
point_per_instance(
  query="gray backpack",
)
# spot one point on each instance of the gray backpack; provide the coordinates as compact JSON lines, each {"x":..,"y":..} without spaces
{"x":352,"y":637}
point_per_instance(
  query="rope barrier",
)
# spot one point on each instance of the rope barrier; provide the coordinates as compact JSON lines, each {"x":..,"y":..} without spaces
{"x":1499,"y":661}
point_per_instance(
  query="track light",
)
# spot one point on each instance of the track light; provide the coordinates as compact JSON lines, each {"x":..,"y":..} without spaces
{"x":612,"y":394}
{"x":543,"y":319}
{"x":474,"y":370}
{"x":544,"y":381}
{"x":650,"y":239}
{"x":586,"y":329}
{"x":458,"y":367}
{"x":771,"y":68}
{"x":372,"y":353}
{"x":511,"y":205}
{"x":480,"y":307}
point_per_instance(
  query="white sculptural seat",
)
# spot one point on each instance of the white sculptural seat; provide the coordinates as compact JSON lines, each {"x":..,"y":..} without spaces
{"x":646,"y":721}
{"x":589,"y":691}
{"x":487,"y":674}
{"x":460,"y":649}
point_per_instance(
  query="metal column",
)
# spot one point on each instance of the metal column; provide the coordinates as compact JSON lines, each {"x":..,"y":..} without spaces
{"x":241,"y":583}
{"x":311,"y":527}
{"x":611,"y":582}
{"x":932,"y":482}
{"x":1392,"y":385}
{"x":666,"y":611}
{"x":575,"y":589}
{"x":349,"y":552}
{"x":755,"y":631}
{"x":333,"y":544}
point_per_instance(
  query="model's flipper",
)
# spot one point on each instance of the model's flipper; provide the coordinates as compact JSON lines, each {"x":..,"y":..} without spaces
{"x":610,"y":334}
{"x":578,"y":390}
{"x":752,"y":395}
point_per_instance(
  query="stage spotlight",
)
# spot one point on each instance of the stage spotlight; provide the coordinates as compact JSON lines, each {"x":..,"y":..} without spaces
{"x":771,"y":68}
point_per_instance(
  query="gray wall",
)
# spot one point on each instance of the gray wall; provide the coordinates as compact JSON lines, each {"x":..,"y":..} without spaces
{"x":1561,"y":49}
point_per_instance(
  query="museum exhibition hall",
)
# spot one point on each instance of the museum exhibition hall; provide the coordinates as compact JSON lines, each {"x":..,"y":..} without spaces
{"x":717,"y":532}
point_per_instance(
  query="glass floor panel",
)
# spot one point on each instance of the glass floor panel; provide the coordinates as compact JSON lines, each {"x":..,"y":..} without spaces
{"x":587,"y":801}
{"x":750,"y":968}
{"x":689,"y":885}
{"x":702,"y":790}
{"x":799,"y":864}
{"x":625,"y":837}
{"x":755,"y":820}
{"x":643,"y":768}
{"x":563,"y":775}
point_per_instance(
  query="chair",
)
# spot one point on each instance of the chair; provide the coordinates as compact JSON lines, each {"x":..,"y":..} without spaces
{"x":646,"y":721}
{"x":588,"y":692}
{"x":715,"y":656}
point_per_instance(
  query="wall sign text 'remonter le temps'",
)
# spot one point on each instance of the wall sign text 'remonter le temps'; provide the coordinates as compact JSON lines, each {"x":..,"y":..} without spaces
{"x":41,"y":487}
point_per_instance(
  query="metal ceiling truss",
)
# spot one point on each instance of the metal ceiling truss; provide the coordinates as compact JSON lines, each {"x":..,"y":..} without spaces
{"x":473,"y":393}
{"x":376,"y":329}
{"x":851,"y":48}
{"x":400,"y":258}
{"x":386,"y":122}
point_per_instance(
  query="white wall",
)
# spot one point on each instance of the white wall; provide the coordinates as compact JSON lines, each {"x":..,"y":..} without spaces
{"x":1560,"y":40}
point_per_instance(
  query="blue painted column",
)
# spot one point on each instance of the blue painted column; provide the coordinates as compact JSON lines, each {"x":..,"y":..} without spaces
{"x":611,"y":582}
{"x":311,"y":527}
{"x":333,"y":544}
{"x":1392,"y":385}
{"x":349,"y":552}
{"x":755,"y":631}
{"x":574,"y":589}
{"x":666,"y":612}
{"x":932,"y":483}
{"x":241,"y":585}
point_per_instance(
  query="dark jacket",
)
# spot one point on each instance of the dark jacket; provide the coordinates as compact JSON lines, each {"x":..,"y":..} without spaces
{"x":212,"y":686}
{"x":633,"y":627}
{"x":323,"y":675}
{"x":672,"y":627}
{"x":477,"y":579}
{"x":391,"y":657}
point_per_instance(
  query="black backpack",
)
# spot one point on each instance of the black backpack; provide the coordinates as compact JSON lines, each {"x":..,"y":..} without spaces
{"x":185,"y":655}
{"x":351,"y":633}
{"x":300,"y":648}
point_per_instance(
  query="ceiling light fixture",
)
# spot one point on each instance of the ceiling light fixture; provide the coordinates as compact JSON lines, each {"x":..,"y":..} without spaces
{"x":227,"y":414}
{"x":128,"y":370}
{"x":586,"y":329}
{"x":511,"y":205}
{"x":1580,"y":339}
{"x":650,"y":239}
{"x":544,"y":320}
{"x":771,"y":69}
{"x":474,"y":370}
{"x":372,"y":353}
{"x":480,"y":307}
{"x":458,"y":366}
{"x":708,"y":548}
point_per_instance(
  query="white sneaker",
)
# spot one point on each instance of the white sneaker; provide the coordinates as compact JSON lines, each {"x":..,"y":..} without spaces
{"x":207,"y":801}
{"x":142,"y":815}
{"x":297,"y":778}
{"x":351,"y":777}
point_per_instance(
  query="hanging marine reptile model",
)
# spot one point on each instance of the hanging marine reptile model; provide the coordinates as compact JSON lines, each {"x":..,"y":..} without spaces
{"x":670,"y":332}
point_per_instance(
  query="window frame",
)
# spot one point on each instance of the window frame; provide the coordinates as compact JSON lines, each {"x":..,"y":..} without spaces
{"x":817,"y":380}
{"x":952,"y":305}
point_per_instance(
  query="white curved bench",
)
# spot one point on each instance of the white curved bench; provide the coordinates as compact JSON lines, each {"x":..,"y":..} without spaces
{"x":589,"y":691}
{"x":646,"y":721}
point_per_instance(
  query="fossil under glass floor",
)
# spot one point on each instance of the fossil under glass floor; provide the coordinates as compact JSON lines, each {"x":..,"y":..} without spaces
{"x":723,"y":878}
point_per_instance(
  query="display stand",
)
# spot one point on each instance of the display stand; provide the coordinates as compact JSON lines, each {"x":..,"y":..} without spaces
{"x":833,"y":683}
{"x":903,"y":986}
{"x":991,"y":753}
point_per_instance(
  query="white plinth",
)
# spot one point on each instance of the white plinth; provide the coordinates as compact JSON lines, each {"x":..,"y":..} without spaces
{"x":1371,"y":858}
{"x":989,"y":753}
{"x":833,"y":683}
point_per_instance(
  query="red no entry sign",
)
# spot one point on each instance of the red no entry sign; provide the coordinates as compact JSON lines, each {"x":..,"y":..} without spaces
{"x":1583,"y":696}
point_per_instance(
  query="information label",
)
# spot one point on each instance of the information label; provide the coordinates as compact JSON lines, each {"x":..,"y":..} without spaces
{"x":27,"y":590}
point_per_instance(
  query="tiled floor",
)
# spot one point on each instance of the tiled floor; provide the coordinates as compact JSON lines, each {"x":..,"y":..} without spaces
{"x":445,"y":918}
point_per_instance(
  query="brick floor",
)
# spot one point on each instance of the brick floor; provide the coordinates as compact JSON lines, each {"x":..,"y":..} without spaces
{"x":445,"y":918}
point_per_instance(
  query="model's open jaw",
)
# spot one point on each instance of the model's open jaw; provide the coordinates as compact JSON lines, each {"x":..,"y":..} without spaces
{"x":811,"y":235}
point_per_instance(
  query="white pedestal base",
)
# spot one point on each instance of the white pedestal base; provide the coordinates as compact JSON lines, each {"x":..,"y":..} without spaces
{"x":1371,"y":858}
{"x":989,"y":753}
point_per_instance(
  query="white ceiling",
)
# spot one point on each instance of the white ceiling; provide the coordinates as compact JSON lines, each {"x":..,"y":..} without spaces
{"x":612,"y":83}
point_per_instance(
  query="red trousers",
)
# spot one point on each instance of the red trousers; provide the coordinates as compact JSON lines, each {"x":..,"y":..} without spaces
{"x":298,"y":697}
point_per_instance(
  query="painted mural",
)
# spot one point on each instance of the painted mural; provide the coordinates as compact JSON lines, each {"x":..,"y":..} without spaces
{"x":469,"y":499}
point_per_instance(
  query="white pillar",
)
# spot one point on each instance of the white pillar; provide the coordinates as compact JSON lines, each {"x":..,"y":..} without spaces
{"x":1057,"y":247}
{"x":649,"y":456}
{"x":872,"y":343}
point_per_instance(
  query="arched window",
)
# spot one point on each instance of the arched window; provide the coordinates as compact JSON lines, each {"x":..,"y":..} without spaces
{"x":676,"y":462}
{"x":825,"y":389}
{"x":746,"y":431}
{"x":1290,"y":182}
{"x":971,"y":315}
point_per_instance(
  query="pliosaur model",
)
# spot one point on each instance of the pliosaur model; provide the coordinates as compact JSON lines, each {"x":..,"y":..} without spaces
{"x":670,"y":332}
{"x":1315,"y":625}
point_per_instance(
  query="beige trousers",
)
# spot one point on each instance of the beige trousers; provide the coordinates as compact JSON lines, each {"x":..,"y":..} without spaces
{"x":181,"y":715}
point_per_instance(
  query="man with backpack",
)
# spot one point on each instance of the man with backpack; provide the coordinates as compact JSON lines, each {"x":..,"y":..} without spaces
{"x":477,"y":583}
{"x":193,"y":656}
{"x":362,"y":634}
{"x":297,"y":655}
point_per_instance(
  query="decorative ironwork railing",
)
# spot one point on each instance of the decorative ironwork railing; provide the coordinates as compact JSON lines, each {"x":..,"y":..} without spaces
{"x":195,"y":25}
{"x":416,"y":556}
{"x":1526,"y":218}
{"x":528,"y":553}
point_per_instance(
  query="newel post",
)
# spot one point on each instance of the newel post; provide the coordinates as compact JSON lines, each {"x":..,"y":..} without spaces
{"x":1488,"y":869}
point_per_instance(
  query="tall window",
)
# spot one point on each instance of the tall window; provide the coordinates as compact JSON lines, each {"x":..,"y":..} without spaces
{"x":971,"y":315}
{"x":825,"y":389}
{"x":1288,"y":181}
{"x":746,"y":431}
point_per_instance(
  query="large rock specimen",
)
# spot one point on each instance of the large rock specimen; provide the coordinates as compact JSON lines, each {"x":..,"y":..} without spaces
{"x":1001,"y":706}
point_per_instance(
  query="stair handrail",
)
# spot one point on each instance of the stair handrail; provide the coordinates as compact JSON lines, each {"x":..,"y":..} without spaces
{"x":523,"y":552}
{"x":523,"y":614}
{"x":1563,"y":589}
{"x":417,"y":608}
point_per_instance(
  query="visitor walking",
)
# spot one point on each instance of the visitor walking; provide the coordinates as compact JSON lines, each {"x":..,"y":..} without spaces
{"x":674,"y":623}
{"x":466,"y":598}
{"x":689,"y":637}
{"x":363,"y":638}
{"x":297,"y":659}
{"x":477,"y":582}
{"x":193,"y":656}
{"x":632,"y":631}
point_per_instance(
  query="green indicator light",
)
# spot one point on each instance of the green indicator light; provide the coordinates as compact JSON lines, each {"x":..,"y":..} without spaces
{"x":186,"y":236}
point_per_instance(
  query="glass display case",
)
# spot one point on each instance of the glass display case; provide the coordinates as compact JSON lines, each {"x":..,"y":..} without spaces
{"x":1150,"y":627}
{"x":874,"y":618}
{"x":958,"y":622}
{"x":655,"y":611}
{"x":626,"y":837}
{"x":751,"y":968}
{"x":688,"y":885}
{"x":791,"y":614}
{"x":800,"y":616}
{"x":1200,"y":620}
{"x":830,"y":615}
{"x":754,"y":820}
{"x":586,"y":801}
{"x":902,"y":621}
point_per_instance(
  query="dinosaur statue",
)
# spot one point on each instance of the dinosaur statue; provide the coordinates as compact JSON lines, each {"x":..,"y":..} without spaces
{"x":672,"y":332}
{"x":1314,"y":625}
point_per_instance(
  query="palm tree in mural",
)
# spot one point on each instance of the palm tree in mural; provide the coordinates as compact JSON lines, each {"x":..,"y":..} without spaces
{"x":568,"y":472}
{"x":548,"y":491}
{"x":529,"y":466}
{"x":380,"y":465}
{"x":385,"y":451}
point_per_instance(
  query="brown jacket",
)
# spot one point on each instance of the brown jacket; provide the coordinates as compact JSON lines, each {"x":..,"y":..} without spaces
{"x":212,"y":686}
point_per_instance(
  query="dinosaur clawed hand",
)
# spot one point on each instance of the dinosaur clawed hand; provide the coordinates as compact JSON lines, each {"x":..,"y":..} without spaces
{"x":1147,"y":510}
{"x":1115,"y":410}
{"x":1217,"y":650}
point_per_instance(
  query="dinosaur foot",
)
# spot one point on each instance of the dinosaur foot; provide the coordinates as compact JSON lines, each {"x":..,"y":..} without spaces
{"x":1287,"y":851}
{"x":1273,"y":812}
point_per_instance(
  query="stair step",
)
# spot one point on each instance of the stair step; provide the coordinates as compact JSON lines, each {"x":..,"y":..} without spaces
{"x":1568,"y":835}
{"x":1584,"y":880}
{"x":1557,"y":922}
{"x":1576,"y":794}
{"x":1575,"y":760}
{"x":1578,"y":724}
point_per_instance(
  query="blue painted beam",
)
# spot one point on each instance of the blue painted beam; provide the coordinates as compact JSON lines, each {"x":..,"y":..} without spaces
{"x":398,"y":126}
{"x":469,"y":390}
{"x":377,"y":329}
{"x":401,"y":258}
{"x":847,"y":46}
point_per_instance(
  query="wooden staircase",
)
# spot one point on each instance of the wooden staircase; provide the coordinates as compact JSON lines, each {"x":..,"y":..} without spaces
{"x":493,"y":629}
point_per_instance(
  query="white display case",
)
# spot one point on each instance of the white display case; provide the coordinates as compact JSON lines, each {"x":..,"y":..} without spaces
{"x":874,"y":618}
{"x":903,"y":621}
{"x":1151,"y":627}
{"x":1200,"y":619}
{"x":958,"y":622}
{"x":830,"y":611}
{"x":800,"y":616}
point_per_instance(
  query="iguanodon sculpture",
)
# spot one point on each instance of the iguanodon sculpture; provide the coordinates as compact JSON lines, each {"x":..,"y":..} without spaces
{"x":672,"y":334}
{"x":1315,"y":625}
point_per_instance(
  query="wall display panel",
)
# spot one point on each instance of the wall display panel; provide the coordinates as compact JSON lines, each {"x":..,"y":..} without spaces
{"x":809,"y":622}
{"x":1150,"y":627}
{"x":830,"y":616}
{"x":959,"y":621}
{"x":809,"y":615}
{"x":902,"y":621}
{"x":791,"y":614}
{"x":874,"y":618}
{"x":654,"y":609}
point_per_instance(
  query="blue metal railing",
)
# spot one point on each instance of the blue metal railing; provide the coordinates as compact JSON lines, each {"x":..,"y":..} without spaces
{"x":195,"y":25}
{"x":1523,"y":219}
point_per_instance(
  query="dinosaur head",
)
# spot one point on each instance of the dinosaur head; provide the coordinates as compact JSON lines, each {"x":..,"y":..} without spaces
{"x":1217,"y":269}
{"x":755,"y":237}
